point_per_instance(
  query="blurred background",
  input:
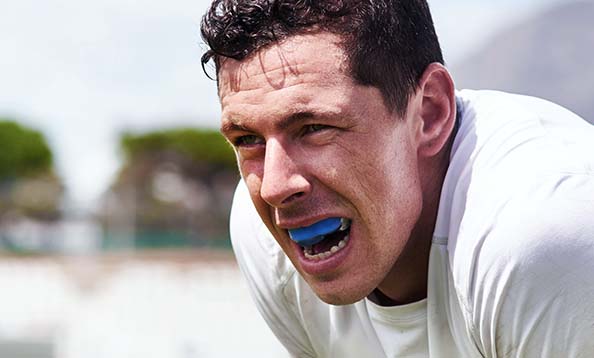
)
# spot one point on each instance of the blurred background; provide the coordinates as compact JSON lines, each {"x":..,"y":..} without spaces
{"x":115,"y":185}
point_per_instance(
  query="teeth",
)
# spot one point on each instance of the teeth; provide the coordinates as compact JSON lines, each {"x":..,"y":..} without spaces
{"x":344,"y":224}
{"x":308,"y":251}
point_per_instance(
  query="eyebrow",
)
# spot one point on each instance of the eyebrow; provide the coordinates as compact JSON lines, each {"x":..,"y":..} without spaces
{"x":230,"y":126}
{"x":283,"y":124}
{"x":295,"y":118}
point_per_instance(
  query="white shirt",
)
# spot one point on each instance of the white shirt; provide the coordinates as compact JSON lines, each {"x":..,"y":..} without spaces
{"x":511,"y":269}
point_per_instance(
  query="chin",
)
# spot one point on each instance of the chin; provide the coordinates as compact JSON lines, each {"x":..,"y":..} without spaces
{"x":340,"y":301}
{"x":339,"y":295}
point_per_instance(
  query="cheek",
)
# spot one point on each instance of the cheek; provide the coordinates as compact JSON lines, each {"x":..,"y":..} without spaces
{"x":332,"y":173}
{"x":251,"y":172}
{"x":406,"y":199}
{"x":393,"y":188}
{"x":253,"y":182}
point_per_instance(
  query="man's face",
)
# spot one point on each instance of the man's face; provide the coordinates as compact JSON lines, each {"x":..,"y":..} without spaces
{"x":312,"y":144}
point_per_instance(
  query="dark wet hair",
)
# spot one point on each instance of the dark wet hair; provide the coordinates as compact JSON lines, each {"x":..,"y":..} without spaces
{"x":388,"y":43}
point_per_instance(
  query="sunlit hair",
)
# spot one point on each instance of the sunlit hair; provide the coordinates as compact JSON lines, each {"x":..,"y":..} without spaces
{"x":388,"y":43}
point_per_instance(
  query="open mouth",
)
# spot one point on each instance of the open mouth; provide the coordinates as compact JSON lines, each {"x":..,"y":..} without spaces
{"x":323,"y":239}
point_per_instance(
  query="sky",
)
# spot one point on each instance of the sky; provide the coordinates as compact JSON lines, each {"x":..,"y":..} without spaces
{"x":85,"y":71}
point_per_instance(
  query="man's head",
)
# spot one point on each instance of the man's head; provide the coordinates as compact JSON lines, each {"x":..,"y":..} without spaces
{"x":315,"y":142}
{"x":388,"y":43}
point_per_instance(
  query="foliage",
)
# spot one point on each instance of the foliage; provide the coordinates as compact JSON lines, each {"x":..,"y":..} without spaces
{"x":28,"y":186}
{"x":175,"y":185}
{"x":201,"y":145}
{"x":23,"y":151}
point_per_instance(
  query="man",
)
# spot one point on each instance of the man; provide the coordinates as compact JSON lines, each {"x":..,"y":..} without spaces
{"x":391,"y":216}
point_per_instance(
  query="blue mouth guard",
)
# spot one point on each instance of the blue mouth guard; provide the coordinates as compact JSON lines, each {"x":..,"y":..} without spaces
{"x":311,"y":235}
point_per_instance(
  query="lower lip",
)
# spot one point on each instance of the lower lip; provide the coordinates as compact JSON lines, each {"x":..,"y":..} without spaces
{"x":327,"y":265}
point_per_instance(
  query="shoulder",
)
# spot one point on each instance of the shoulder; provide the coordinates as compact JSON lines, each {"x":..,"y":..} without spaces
{"x":521,"y":227}
{"x":550,"y":222}
{"x":531,"y":284}
{"x":534,"y":224}
{"x":514,"y":171}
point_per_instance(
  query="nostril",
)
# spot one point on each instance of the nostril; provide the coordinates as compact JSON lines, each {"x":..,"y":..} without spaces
{"x":293,"y":197}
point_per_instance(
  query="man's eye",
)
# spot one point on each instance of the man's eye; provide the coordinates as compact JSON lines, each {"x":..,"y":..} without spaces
{"x":311,"y":128}
{"x":248,"y":140}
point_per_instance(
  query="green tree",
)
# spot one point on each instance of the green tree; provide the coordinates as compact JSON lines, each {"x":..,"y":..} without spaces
{"x":200,"y":145}
{"x":175,"y":186}
{"x":23,"y":151}
{"x":28,"y":185}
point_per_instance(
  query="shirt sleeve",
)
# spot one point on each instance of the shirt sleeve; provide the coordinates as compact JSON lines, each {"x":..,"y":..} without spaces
{"x":267,"y":271}
{"x":533,"y":291}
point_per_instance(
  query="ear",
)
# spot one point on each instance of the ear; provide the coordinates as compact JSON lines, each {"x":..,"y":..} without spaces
{"x":436,"y":111}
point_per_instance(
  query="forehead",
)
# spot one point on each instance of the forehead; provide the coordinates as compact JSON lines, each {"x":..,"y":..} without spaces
{"x":298,"y":59}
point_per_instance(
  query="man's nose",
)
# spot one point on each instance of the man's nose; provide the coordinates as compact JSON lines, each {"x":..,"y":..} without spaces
{"x":282,"y":182}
